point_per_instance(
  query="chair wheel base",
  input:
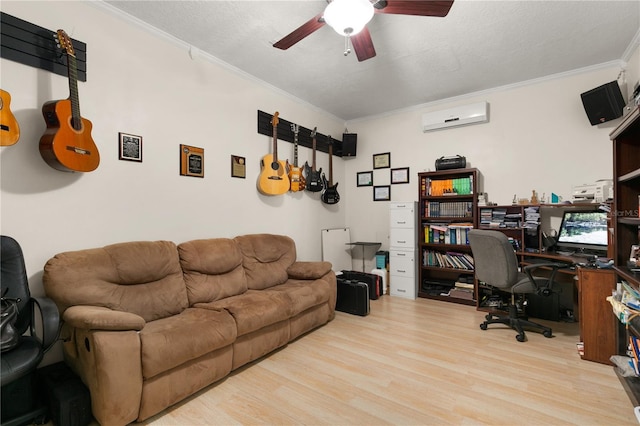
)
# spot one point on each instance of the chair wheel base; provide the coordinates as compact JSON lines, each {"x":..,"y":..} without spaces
{"x":520,"y":337}
{"x":483,"y":326}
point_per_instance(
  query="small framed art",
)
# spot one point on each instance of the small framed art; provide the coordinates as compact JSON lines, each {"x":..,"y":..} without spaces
{"x":382,"y":193}
{"x":238,"y":167}
{"x":130,"y":147}
{"x":191,"y":161}
{"x":382,"y":161}
{"x":400,"y":175}
{"x":365,"y":178}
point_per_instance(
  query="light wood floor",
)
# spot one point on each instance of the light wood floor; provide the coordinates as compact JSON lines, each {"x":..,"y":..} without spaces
{"x":421,"y":362}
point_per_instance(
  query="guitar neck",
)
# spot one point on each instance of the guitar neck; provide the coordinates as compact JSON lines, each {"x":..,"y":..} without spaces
{"x":295,"y":150}
{"x":330,"y":164}
{"x":73,"y":92}
{"x":313,"y":161}
{"x":275,"y":144}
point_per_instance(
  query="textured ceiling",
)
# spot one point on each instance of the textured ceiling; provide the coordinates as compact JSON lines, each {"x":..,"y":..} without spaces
{"x":479,"y":45}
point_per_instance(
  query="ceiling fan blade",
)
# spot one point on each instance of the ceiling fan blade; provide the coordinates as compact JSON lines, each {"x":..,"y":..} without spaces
{"x":301,"y":32}
{"x":363,"y":45}
{"x":414,"y":7}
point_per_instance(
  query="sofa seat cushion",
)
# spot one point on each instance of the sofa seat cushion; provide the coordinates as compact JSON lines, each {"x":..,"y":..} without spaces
{"x":303,"y":294}
{"x":254,"y":309}
{"x":172,"y":341}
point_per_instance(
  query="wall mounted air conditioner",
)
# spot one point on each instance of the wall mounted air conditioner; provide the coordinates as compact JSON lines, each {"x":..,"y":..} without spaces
{"x":454,"y":117}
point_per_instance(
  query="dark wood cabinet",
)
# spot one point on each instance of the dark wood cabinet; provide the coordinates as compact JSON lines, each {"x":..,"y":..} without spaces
{"x":597,"y":325}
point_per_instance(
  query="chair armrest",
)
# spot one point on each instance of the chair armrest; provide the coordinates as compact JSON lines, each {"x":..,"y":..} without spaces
{"x":100,"y":318}
{"x":50,"y":318}
{"x":547,"y":282}
{"x":308,"y":270}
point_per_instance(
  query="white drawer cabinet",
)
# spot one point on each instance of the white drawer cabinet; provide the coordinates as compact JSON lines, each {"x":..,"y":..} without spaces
{"x":402,"y":249}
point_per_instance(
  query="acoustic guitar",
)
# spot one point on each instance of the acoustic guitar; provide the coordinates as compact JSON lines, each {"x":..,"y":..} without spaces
{"x":330,"y":194}
{"x":298,"y":182}
{"x":312,"y":176}
{"x":9,"y":129}
{"x":66,"y":144}
{"x":274,"y":174}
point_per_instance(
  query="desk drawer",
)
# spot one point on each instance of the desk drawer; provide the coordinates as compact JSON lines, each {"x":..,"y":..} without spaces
{"x":404,"y":238}
{"x":402,"y":263}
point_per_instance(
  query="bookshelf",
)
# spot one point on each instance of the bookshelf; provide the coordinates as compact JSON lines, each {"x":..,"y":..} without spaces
{"x":625,"y":217}
{"x":447,"y":207}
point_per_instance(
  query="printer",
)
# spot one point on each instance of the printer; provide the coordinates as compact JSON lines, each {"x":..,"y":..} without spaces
{"x":597,"y":192}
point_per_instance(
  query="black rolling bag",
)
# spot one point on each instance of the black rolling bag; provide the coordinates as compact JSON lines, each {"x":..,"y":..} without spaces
{"x":372,"y":280}
{"x":352,"y":297}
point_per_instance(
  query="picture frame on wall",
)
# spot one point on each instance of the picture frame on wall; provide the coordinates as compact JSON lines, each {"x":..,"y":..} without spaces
{"x":382,"y":161}
{"x":365,"y":178}
{"x":191,"y":161}
{"x":382,"y":193}
{"x":238,"y":167}
{"x":400,"y":175}
{"x":129,"y":147}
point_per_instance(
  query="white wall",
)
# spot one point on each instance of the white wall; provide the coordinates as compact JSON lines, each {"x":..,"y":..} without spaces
{"x":143,"y":84}
{"x":538,"y":138}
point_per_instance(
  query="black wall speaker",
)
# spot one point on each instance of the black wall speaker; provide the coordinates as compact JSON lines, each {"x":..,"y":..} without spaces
{"x":604,"y":103}
{"x":349,"y":144}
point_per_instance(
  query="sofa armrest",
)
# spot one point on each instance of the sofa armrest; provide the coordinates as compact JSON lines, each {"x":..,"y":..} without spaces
{"x":308,"y":270}
{"x":100,"y":318}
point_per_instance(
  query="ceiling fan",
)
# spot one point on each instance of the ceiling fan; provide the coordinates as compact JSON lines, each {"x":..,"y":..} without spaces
{"x":350,"y":17}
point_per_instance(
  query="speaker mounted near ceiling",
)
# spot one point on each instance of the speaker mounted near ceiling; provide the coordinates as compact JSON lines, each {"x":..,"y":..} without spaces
{"x":604,"y":103}
{"x":349,"y":144}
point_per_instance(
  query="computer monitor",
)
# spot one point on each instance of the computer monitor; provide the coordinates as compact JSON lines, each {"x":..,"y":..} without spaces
{"x":583,"y":232}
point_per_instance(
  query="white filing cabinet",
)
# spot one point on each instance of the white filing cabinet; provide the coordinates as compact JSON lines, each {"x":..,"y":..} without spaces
{"x":403,"y":249}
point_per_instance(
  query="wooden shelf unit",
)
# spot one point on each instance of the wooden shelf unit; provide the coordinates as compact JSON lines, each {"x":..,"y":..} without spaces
{"x":625,"y":215}
{"x":448,"y":209}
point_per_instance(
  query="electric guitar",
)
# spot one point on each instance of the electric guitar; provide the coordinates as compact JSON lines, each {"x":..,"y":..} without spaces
{"x":9,"y":129}
{"x":314,"y":181}
{"x":66,"y":144}
{"x":295,"y":173}
{"x":274,"y":175}
{"x":330,"y":194}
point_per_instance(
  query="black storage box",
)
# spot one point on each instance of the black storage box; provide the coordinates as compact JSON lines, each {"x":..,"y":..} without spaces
{"x":67,"y":397}
{"x":372,"y":280}
{"x":352,"y":297}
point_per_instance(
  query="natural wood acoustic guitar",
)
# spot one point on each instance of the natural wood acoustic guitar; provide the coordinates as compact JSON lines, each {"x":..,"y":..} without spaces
{"x":313,"y":176}
{"x":9,"y":129}
{"x":330,"y":193}
{"x":274,"y":175}
{"x":298,"y":182}
{"x":66,"y":144}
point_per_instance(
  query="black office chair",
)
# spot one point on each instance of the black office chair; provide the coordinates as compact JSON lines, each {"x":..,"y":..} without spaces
{"x":496,"y":265}
{"x":20,"y":402}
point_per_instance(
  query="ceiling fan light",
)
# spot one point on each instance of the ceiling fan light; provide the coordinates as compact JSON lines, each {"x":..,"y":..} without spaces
{"x":348,"y":17}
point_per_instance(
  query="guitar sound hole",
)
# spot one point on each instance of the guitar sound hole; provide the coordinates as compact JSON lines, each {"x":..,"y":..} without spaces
{"x":275,"y":165}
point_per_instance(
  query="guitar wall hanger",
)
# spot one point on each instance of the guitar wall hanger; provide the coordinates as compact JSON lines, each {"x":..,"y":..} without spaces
{"x":29,"y":44}
{"x":286,"y":134}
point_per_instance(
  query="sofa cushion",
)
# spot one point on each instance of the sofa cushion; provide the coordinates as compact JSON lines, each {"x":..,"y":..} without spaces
{"x":266,"y":258}
{"x":170,"y":342}
{"x":212,"y":269}
{"x":141,"y":277}
{"x":254,"y":309}
{"x":303,"y":294}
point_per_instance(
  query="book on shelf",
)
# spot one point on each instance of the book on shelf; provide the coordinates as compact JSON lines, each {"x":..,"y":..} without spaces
{"x":443,"y":187}
{"x":450,"y":260}
{"x":443,"y":233}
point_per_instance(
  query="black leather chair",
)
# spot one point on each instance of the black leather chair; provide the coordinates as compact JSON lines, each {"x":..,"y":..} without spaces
{"x":20,"y":402}
{"x":496,"y":265}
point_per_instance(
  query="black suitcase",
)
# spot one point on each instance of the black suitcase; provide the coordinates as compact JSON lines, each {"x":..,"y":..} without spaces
{"x":352,"y":297}
{"x":372,"y":280}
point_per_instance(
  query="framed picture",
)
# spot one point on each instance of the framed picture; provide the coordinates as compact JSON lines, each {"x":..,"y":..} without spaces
{"x":191,"y":161}
{"x":382,"y":161}
{"x":238,"y":167}
{"x":382,"y":193}
{"x":129,"y":147}
{"x":400,"y":175}
{"x":365,"y":178}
